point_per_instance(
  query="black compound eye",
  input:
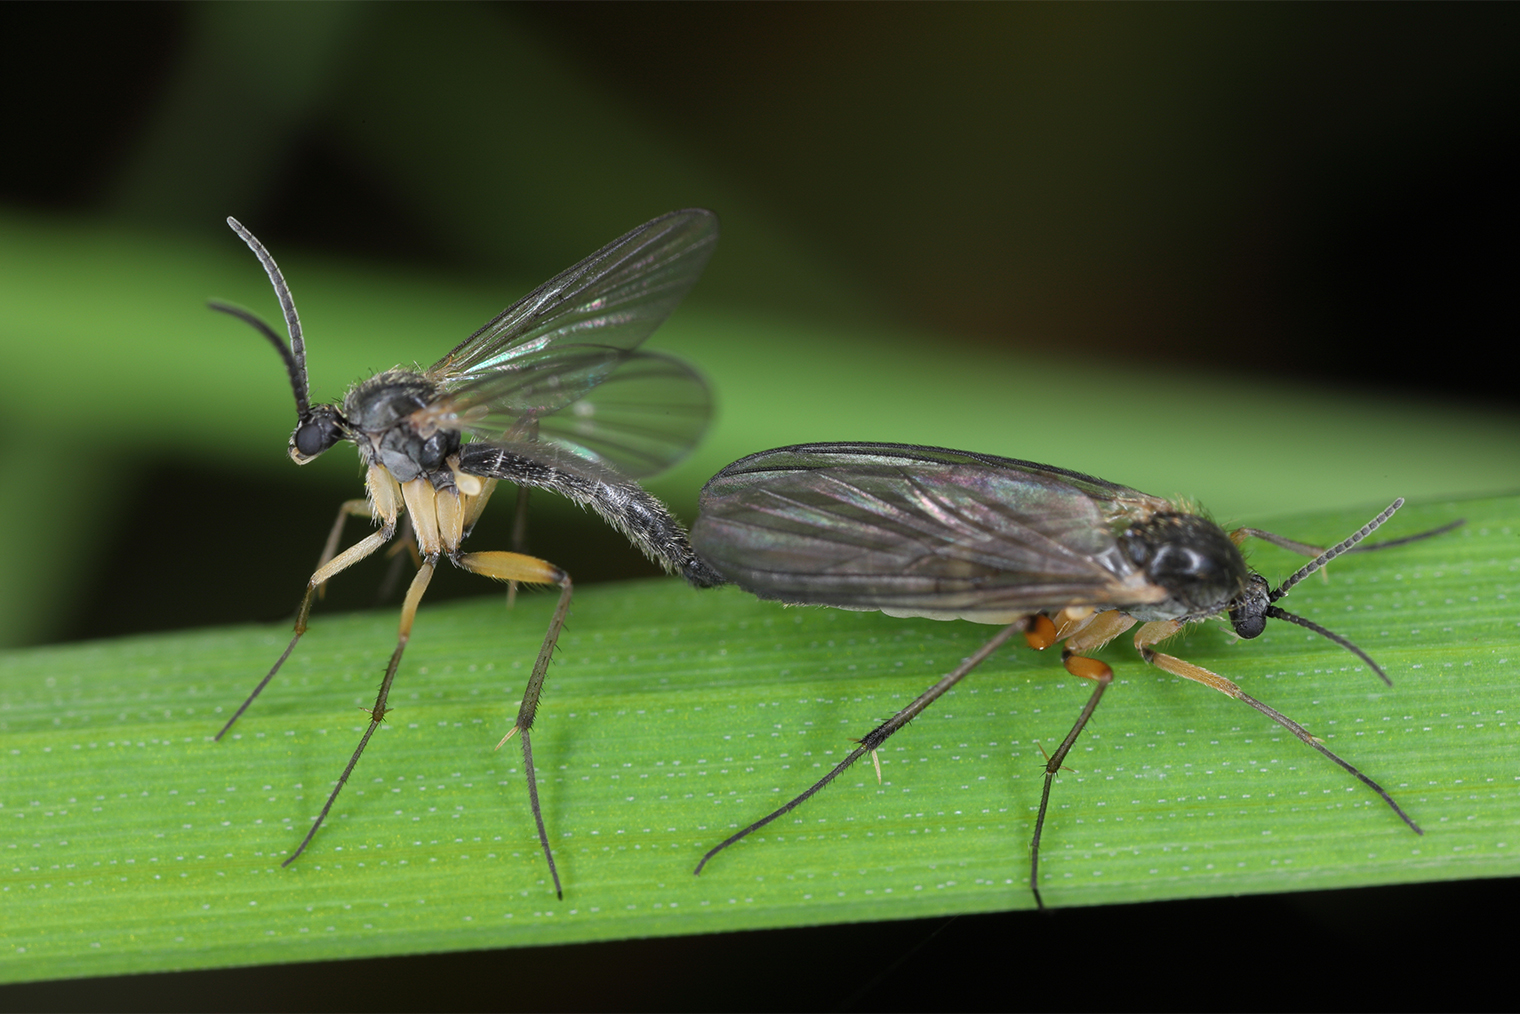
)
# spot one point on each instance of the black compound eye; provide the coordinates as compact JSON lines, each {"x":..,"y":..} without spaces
{"x":310,"y":440}
{"x":1248,"y":624}
{"x":1248,"y":615}
{"x":316,"y":435}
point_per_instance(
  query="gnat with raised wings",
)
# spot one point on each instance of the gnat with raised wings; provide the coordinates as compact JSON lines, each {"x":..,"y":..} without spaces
{"x":553,"y":393}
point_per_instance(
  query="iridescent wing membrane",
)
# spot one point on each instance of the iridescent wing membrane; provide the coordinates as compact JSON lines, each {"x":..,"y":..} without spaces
{"x":560,"y":365}
{"x":920,"y":531}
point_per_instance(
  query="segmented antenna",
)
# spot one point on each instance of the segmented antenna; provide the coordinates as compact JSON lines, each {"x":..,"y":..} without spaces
{"x":1315,"y":564}
{"x":303,"y":410}
{"x":295,"y":356}
{"x":1283,"y":614}
{"x":1336,"y":550}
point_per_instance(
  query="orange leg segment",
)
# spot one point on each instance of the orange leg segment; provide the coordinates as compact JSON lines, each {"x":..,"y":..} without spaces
{"x":1083,"y":633}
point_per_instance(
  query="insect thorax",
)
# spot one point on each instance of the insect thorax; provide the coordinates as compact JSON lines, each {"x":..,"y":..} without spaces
{"x":1190,"y":557}
{"x":383,"y":413}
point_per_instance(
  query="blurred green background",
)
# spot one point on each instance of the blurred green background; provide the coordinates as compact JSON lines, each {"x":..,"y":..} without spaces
{"x":1258,"y":255}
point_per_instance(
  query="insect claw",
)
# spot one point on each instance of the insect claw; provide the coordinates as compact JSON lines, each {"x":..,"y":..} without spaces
{"x":876,"y":762}
{"x":505,"y":738}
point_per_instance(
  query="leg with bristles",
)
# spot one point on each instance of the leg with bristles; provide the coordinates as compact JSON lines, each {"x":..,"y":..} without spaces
{"x":350,"y":556}
{"x":1153,"y":633}
{"x":377,"y":713}
{"x":517,"y":567}
{"x":1239,"y":535}
{"x":348,"y":509}
{"x":1088,"y":633}
{"x":404,"y":548}
{"x":873,"y":741}
{"x":384,"y":503}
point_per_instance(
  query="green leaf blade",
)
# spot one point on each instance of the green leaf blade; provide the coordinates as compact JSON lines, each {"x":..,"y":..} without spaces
{"x":135,"y":842}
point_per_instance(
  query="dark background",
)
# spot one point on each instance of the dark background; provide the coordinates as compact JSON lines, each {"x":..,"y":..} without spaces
{"x":1275,"y":186}
{"x":1421,"y":947}
{"x":1309,"y":192}
{"x":1312,"y":194}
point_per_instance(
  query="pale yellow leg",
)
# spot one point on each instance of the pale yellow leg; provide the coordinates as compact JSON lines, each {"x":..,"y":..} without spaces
{"x":1153,"y":633}
{"x":349,"y":509}
{"x":385,"y":495}
{"x":529,"y":569}
{"x":377,"y":713}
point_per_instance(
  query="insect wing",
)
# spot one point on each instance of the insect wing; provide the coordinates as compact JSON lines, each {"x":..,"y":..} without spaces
{"x":636,"y":412}
{"x":910,"y":529}
{"x":646,"y":416}
{"x":534,"y":372}
{"x":615,"y":298}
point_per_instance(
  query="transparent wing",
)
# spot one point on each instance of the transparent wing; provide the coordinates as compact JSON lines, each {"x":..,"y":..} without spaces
{"x":899,"y":527}
{"x":615,"y":298}
{"x":642,"y":419}
{"x":550,"y":351}
{"x":635,"y":412}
